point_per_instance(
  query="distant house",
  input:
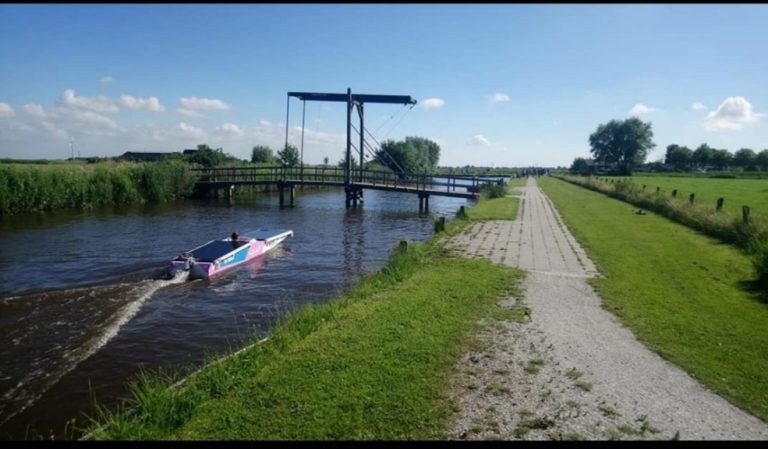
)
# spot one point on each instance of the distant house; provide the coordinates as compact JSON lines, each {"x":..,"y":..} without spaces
{"x":189,"y":152}
{"x":144,"y":156}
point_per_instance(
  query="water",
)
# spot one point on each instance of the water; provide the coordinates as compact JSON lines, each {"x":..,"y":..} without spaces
{"x":84,"y":306}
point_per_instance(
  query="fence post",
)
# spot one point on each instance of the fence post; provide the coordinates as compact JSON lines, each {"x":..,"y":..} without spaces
{"x":658,"y":189}
{"x":719,"y":204}
{"x":691,"y":198}
{"x":745,"y":214}
{"x":643,"y":187}
{"x":674,"y":193}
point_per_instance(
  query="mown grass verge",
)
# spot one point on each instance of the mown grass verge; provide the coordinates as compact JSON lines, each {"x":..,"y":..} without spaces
{"x":501,"y":207}
{"x":372,"y":365}
{"x":685,"y":295}
{"x":751,"y":236}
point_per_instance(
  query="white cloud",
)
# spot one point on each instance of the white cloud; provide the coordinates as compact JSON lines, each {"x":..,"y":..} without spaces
{"x":430,"y":103}
{"x":698,"y":106}
{"x":732,"y":114}
{"x":203,"y":103}
{"x":188,"y":113}
{"x":231,"y":128}
{"x":315,"y":137}
{"x":106,"y":80}
{"x":191,"y":130}
{"x":498,"y":98}
{"x":93,"y":119}
{"x":640,"y":109}
{"x":35,"y":110}
{"x":265,"y":123}
{"x":6,"y":110}
{"x":478,"y":141}
{"x":97,"y":104}
{"x":53,"y":131}
{"x":150,"y":104}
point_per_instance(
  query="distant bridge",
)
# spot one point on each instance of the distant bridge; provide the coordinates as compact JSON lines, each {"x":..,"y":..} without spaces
{"x":285,"y":179}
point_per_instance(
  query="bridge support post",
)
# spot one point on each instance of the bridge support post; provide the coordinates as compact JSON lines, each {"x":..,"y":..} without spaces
{"x":293,"y":195}
{"x":423,"y":202}
{"x":281,"y":193}
{"x":353,"y":196}
{"x":229,"y":192}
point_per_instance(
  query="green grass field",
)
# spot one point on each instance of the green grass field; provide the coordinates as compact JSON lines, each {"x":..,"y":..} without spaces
{"x":685,"y":295}
{"x":737,"y":192}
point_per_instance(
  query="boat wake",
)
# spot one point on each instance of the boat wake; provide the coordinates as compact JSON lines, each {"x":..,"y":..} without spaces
{"x":49,"y":333}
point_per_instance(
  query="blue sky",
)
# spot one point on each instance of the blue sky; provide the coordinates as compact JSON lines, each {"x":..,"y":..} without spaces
{"x":497,"y":84}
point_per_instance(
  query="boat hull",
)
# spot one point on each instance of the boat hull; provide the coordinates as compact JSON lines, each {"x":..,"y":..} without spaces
{"x":205,"y":266}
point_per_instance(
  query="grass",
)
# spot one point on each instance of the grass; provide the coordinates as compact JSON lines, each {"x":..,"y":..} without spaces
{"x":371,"y":365}
{"x":42,"y":187}
{"x":504,"y":208}
{"x":737,"y":192}
{"x":534,"y":366}
{"x":680,"y":292}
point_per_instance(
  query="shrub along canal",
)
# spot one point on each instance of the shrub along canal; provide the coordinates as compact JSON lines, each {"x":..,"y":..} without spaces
{"x":84,"y":307}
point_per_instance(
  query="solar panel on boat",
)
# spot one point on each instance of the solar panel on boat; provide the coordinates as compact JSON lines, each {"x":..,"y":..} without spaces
{"x":213,"y":250}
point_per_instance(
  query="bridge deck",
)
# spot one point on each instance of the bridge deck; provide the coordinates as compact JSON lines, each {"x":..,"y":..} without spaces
{"x":456,"y":186}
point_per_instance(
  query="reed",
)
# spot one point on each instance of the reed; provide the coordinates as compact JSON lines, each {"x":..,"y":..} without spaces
{"x":43,"y":187}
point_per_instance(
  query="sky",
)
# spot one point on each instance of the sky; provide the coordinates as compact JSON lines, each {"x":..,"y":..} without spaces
{"x":501,"y":85}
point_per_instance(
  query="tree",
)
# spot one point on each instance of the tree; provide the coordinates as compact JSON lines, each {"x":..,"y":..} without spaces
{"x":580,"y":165}
{"x":625,"y":143}
{"x":343,"y":161}
{"x":761,"y":160}
{"x":744,"y":158}
{"x":289,"y":156}
{"x":678,"y":156}
{"x":207,"y":156}
{"x":413,"y":155}
{"x":721,"y":158}
{"x":702,"y":156}
{"x":262,"y":154}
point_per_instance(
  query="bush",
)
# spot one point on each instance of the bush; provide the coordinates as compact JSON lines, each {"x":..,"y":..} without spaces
{"x":491,"y":191}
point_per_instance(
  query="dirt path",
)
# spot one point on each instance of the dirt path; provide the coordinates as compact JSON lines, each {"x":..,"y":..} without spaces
{"x":573,"y":371}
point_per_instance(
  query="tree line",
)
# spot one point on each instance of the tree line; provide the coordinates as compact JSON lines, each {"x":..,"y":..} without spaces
{"x":621,"y":146}
{"x":412,"y":155}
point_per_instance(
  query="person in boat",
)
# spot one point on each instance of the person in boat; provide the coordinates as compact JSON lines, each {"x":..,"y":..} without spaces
{"x":235,"y":238}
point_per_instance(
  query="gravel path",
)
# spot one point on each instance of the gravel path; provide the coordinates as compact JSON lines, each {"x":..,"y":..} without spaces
{"x":573,"y":371}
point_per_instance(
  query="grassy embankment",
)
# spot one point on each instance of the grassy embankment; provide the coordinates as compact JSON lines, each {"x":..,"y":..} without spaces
{"x":683,"y":294}
{"x":371,"y":365}
{"x":736,"y":192}
{"x":751,"y":234}
{"x":41,"y":187}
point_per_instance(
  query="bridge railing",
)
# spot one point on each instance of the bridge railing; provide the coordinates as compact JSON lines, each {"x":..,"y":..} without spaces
{"x":326,"y":174}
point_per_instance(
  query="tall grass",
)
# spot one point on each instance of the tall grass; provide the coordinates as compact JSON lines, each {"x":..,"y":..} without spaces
{"x":43,"y":187}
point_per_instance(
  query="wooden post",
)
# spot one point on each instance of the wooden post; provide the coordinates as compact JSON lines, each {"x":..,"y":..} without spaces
{"x":439,"y":224}
{"x":281,"y":192}
{"x":462,"y":213}
{"x":293,"y":195}
{"x":658,"y":189}
{"x":692,"y":197}
{"x":674,"y":193}
{"x":745,"y":214}
{"x":719,"y":204}
{"x":643,"y":187}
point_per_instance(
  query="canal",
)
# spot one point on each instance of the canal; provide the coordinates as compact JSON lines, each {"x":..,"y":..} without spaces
{"x":84,"y":306}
